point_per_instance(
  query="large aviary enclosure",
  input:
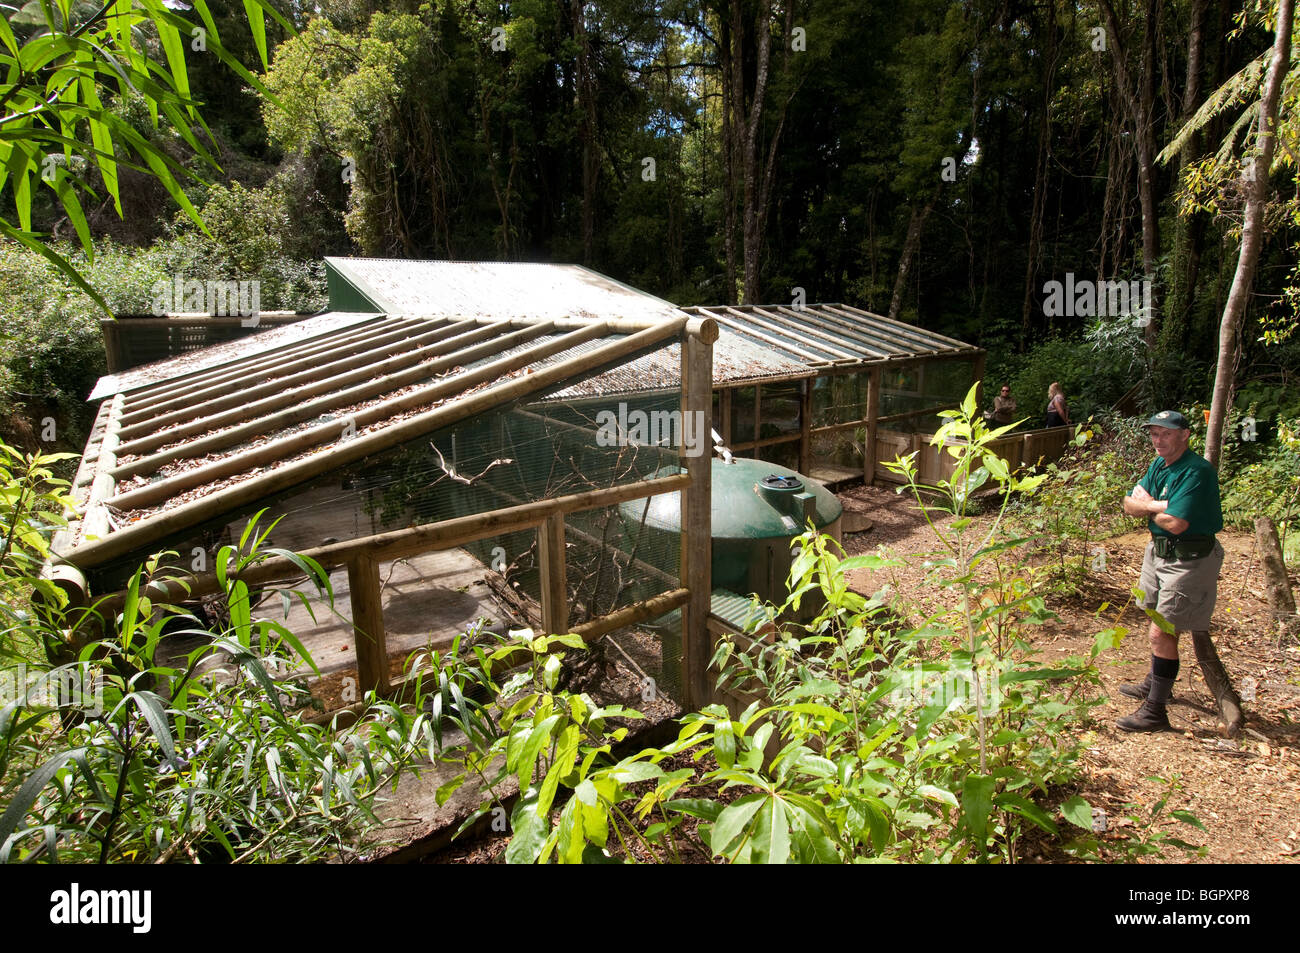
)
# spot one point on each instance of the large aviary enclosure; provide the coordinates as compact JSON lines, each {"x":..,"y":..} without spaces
{"x":867,"y":380}
{"x":453,"y":470}
{"x":829,"y":390}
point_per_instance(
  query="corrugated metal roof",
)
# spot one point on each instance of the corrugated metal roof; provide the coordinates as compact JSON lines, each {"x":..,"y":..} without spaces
{"x":831,"y":335}
{"x":497,"y":290}
{"x":735,"y":359}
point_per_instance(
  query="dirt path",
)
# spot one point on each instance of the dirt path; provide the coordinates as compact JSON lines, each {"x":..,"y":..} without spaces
{"x":1246,"y":791}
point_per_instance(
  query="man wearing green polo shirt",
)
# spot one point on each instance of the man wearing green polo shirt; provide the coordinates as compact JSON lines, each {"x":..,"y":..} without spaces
{"x":1179,"y":496}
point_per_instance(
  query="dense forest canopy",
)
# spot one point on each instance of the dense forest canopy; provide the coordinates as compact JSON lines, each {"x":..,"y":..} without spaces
{"x":963,"y":165}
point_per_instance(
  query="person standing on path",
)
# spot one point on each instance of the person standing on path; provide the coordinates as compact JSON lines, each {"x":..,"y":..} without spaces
{"x":1004,"y":408}
{"x":1058,"y":414}
{"x":1179,"y":496}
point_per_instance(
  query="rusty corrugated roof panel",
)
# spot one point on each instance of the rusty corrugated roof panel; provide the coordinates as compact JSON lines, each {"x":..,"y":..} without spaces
{"x":735,"y":359}
{"x":497,"y":290}
{"x":831,"y":335}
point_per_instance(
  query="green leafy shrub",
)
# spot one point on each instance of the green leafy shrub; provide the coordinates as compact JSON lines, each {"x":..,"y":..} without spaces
{"x":1079,"y":501}
{"x":51,"y":347}
{"x":1269,"y":487}
{"x":124,"y":755}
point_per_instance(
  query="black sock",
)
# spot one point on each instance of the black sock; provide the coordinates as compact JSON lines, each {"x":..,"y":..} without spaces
{"x":1164,"y":667}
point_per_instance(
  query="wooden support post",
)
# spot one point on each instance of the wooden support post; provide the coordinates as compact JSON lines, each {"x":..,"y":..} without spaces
{"x":805,"y":427}
{"x":724,"y":408}
{"x":873,"y":424}
{"x":555,"y":592}
{"x":979,"y":377}
{"x":697,"y":523}
{"x":368,"y":620}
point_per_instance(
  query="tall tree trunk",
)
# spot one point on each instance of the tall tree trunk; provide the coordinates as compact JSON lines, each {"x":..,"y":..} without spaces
{"x":1252,"y":234}
{"x":910,"y":246}
{"x":590,"y":152}
{"x":1191,"y":230}
{"x":731,"y":83}
{"x":744,"y":114}
{"x":753,"y":125}
{"x":1039,"y":201}
{"x":1139,"y":102}
{"x":1281,"y":602}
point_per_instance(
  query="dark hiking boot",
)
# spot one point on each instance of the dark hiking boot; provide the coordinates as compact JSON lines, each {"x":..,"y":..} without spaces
{"x":1150,"y":717}
{"x":1139,"y":690}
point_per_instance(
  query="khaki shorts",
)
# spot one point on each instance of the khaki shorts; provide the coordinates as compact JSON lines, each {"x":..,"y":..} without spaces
{"x":1182,"y":590}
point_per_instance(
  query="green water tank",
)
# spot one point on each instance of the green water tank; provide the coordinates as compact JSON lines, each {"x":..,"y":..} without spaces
{"x":757,"y":509}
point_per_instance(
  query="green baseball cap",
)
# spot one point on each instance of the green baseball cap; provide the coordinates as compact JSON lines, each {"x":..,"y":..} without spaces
{"x":1169,"y":419}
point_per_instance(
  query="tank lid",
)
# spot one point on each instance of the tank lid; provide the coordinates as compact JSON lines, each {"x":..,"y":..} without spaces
{"x":779,"y":481}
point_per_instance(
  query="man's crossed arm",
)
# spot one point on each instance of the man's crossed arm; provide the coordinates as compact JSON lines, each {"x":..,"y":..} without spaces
{"x":1140,"y":503}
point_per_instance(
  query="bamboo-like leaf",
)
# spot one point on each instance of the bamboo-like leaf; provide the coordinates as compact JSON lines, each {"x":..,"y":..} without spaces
{"x":7,"y":37}
{"x":170,"y":38}
{"x":257,"y":23}
{"x":26,"y":796}
{"x":72,"y":206}
{"x":151,"y":707}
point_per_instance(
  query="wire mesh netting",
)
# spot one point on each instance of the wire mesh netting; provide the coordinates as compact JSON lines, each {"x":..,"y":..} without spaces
{"x":839,"y":399}
{"x":920,"y":388}
{"x":526,"y":453}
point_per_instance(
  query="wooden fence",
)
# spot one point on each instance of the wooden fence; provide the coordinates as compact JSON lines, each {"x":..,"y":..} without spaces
{"x":1027,"y":449}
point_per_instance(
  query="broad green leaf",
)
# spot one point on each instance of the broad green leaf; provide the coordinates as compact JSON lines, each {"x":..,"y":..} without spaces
{"x":724,"y":743}
{"x":1078,"y":812}
{"x":1018,"y":804}
{"x":1187,"y":817}
{"x":812,"y":838}
{"x":635,"y":771}
{"x":696,"y":807}
{"x":566,"y":753}
{"x":528,"y":831}
{"x":537,"y":738}
{"x":868,"y":561}
{"x":733,"y":821}
{"x":976,"y":805}
{"x":771,"y":838}
{"x":935,"y":793}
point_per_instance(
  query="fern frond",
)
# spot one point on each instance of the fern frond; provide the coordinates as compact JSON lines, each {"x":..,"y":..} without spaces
{"x":1236,"y":90}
